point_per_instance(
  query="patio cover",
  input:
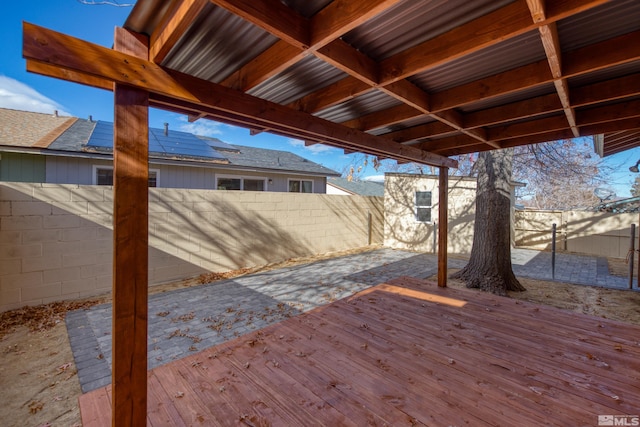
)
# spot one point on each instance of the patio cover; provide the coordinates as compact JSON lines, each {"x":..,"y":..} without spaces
{"x":401,"y":79}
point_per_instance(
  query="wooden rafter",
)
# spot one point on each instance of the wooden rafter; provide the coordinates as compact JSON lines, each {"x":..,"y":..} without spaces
{"x":599,"y":92}
{"x":384,"y":118}
{"x":620,"y":88}
{"x":325,"y":28}
{"x":274,"y":17}
{"x":462,"y":144}
{"x":618,"y":50}
{"x":66,"y":52}
{"x":333,"y":21}
{"x":551,"y":44}
{"x":331,"y":95}
{"x":505,"y":23}
{"x":390,"y":75}
{"x":589,"y":118}
{"x":167,"y":35}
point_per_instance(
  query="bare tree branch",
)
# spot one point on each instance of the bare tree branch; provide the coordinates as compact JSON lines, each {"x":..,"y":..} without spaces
{"x":115,"y":3}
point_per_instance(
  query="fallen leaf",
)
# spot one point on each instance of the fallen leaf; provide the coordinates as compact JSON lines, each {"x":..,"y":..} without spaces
{"x":64,"y":367}
{"x":35,"y":406}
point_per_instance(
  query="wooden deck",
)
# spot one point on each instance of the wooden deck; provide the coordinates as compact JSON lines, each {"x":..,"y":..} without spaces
{"x":403,"y":353}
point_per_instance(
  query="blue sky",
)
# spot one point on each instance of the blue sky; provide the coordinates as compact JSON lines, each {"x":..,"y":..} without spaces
{"x":25,"y":91}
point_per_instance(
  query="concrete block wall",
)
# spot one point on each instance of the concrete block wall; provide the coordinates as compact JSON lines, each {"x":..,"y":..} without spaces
{"x":594,"y":233}
{"x":56,"y":239}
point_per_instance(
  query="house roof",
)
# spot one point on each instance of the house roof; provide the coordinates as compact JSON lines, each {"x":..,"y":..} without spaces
{"x":27,"y":129}
{"x":76,"y":136}
{"x":362,"y":188}
{"x":262,"y":158}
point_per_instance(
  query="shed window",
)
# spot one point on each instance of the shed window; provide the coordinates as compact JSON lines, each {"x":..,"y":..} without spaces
{"x":423,"y":206}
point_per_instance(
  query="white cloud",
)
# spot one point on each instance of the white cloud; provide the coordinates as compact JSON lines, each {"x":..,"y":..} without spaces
{"x":201,"y":127}
{"x":374,"y":178}
{"x":18,"y":96}
{"x":314,"y":149}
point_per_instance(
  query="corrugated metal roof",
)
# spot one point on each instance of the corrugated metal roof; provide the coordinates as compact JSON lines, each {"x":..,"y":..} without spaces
{"x":209,"y":49}
{"x":307,"y":8}
{"x":305,"y":77}
{"x":604,"y":74}
{"x":518,"y":51}
{"x":219,"y":43}
{"x":616,"y":142}
{"x":521,"y":95}
{"x":147,"y":15}
{"x":417,"y":121}
{"x":368,"y":103}
{"x":412,"y":22}
{"x":611,"y":19}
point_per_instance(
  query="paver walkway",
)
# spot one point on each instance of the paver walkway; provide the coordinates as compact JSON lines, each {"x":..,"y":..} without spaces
{"x":188,"y":320}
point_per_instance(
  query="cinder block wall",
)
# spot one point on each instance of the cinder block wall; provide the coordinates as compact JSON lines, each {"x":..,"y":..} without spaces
{"x":594,"y":233}
{"x":56,"y":239}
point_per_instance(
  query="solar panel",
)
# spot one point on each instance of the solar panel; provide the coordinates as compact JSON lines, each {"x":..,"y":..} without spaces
{"x":216,"y":143}
{"x":102,"y":135}
{"x":175,"y":144}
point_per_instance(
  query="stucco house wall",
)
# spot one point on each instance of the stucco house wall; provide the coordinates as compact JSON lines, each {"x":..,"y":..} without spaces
{"x":401,"y":228}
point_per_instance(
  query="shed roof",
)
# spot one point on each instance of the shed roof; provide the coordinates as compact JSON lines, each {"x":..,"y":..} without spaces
{"x":362,"y":188}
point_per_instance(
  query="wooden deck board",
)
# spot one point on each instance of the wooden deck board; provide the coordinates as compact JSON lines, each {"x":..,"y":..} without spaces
{"x":507,"y":374}
{"x":404,"y":353}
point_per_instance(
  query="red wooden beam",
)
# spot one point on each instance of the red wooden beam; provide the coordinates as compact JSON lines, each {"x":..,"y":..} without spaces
{"x":130,"y":243}
{"x":443,"y":224}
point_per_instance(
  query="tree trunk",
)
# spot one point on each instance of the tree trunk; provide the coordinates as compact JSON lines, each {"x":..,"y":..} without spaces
{"x":489,"y":266}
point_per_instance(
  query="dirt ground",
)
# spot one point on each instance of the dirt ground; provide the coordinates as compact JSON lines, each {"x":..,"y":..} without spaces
{"x":38,"y":381}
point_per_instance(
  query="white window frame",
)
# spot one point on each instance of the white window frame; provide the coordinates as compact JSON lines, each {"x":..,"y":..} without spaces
{"x":95,"y":168}
{"x":300,"y":180}
{"x":242,"y":178}
{"x":416,"y":206}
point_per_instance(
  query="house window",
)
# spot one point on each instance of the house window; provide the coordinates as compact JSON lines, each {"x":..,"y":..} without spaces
{"x":300,"y":186}
{"x":153,"y":178}
{"x":253,"y":185}
{"x":240,"y":183}
{"x":423,"y":206}
{"x":103,"y":175}
{"x":229,"y":184}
